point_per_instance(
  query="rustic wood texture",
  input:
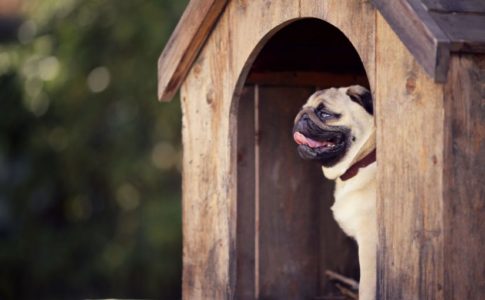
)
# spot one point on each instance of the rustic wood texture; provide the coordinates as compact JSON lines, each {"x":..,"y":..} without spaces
{"x":429,"y":199}
{"x":462,"y":6}
{"x":410,"y":129}
{"x":289,"y":201}
{"x":246,"y":193}
{"x":420,"y":33}
{"x":466,"y":31}
{"x":464,"y":180}
{"x":210,"y":96}
{"x":185,"y":43}
{"x":429,"y":28}
{"x":294,"y":200}
{"x":209,"y":181}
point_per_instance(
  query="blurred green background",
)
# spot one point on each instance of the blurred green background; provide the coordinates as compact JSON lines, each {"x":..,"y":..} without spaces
{"x":89,"y":160}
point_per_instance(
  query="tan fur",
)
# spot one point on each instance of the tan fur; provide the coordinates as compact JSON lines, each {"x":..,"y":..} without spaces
{"x":355,"y":199}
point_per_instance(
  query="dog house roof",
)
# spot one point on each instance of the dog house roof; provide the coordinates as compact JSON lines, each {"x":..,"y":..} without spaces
{"x":430,"y":29}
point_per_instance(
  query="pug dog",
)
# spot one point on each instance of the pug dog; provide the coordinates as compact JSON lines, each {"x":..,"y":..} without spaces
{"x":336,"y":129}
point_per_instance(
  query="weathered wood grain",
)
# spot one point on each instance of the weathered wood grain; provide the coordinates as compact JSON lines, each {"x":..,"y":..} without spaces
{"x":410,"y":129}
{"x":294,"y":200}
{"x":185,"y":43}
{"x":466,"y":31}
{"x":464,"y":180}
{"x":289,"y":201}
{"x":419,"y":32}
{"x":246,"y":194}
{"x":266,"y":18}
{"x":209,"y":180}
{"x":429,"y":42}
{"x":426,"y":214}
{"x":210,"y":95}
{"x":462,"y":6}
{"x":209,"y":103}
{"x":297,"y":237}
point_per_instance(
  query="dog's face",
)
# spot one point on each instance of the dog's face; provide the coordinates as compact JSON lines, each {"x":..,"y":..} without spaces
{"x":334,"y":124}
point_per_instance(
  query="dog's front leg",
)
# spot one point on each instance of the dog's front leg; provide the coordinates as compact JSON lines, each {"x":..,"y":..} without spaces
{"x":367,"y":242}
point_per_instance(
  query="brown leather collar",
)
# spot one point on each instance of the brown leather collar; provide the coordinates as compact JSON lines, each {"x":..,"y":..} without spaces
{"x":364,"y":162}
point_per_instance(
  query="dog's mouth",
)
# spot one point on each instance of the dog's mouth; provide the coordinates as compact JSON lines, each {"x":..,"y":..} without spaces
{"x":326,"y":145}
{"x":300,"y":139}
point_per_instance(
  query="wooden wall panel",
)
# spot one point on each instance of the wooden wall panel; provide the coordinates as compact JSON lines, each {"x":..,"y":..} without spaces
{"x":464,"y":182}
{"x":253,"y":24}
{"x":288,"y":231}
{"x":209,"y":103}
{"x":289,"y":201}
{"x":209,"y":182}
{"x":246,"y":195}
{"x":410,"y":128}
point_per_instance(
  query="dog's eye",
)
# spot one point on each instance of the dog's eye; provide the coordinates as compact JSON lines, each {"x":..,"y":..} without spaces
{"x":323,"y":115}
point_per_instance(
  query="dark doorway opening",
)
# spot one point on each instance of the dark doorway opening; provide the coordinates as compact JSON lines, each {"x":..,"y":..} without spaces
{"x":286,"y":234}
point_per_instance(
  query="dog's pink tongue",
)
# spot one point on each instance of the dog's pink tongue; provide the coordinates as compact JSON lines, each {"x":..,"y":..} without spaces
{"x":300,"y":139}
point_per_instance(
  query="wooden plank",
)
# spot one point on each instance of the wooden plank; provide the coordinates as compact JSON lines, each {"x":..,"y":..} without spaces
{"x":309,"y":79}
{"x":209,"y":204}
{"x":338,"y":252}
{"x":266,"y":19}
{"x":464,"y":180}
{"x":210,"y":95}
{"x":462,"y":6}
{"x":466,"y":31}
{"x":410,"y":126}
{"x":245,"y":241}
{"x":182,"y":48}
{"x":288,"y":202}
{"x":294,"y":203}
{"x":419,"y":32}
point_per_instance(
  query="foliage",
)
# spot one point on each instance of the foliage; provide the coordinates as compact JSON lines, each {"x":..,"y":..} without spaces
{"x":89,"y":160}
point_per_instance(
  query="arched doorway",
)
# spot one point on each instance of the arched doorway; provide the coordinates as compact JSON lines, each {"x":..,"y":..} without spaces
{"x":286,"y":235}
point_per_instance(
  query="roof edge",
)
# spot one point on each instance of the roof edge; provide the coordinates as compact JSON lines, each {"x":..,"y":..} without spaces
{"x":420,"y":34}
{"x":185,"y":43}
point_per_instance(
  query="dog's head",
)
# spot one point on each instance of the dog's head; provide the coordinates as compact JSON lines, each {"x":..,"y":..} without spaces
{"x":335,"y":127}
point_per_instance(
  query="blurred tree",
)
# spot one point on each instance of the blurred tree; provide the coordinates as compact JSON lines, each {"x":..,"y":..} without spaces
{"x":89,"y":160}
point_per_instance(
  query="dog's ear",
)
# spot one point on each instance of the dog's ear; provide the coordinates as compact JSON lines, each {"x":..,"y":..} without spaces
{"x":362,"y":96}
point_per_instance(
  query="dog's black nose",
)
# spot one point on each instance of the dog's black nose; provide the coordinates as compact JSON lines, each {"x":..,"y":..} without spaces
{"x":305,"y":117}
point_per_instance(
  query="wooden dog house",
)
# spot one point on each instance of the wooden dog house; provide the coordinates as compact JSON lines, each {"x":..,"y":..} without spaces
{"x":256,"y":219}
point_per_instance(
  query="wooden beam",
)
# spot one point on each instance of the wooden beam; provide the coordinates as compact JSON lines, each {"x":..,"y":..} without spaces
{"x":410,"y":129}
{"x":463,"y":180}
{"x":465,"y":30}
{"x":302,"y":79}
{"x":419,"y":32}
{"x":184,"y":45}
{"x":462,"y":6}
